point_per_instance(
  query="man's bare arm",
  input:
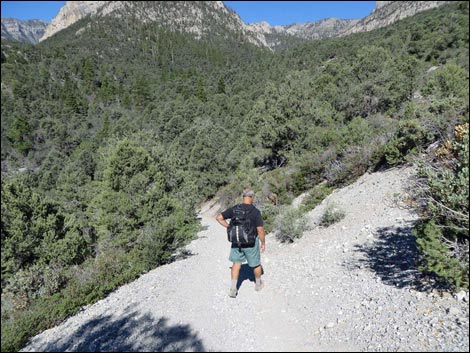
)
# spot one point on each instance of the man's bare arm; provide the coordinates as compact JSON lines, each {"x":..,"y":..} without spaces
{"x":262,"y":237}
{"x":221,"y":220}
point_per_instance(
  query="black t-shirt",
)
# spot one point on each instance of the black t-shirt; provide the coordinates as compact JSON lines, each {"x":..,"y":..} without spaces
{"x":254,"y":215}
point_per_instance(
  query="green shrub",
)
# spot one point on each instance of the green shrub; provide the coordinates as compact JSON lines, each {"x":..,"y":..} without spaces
{"x":316,"y":196}
{"x":442,"y":195}
{"x":20,"y":135}
{"x":332,"y":215}
{"x":410,"y":135}
{"x":279,"y":182}
{"x":449,"y":81}
{"x":269,"y":213}
{"x":34,"y":282}
{"x":290,"y":224}
{"x":35,"y":230}
{"x":436,"y":254}
{"x":354,"y":162}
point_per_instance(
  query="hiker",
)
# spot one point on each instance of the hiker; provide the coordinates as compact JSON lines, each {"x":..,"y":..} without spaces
{"x":248,"y":251}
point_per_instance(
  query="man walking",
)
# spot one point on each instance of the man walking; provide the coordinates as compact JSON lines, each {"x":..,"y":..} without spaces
{"x":250,"y":254}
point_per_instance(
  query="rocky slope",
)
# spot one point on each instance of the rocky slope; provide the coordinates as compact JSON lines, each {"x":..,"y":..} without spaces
{"x":280,"y":36}
{"x":72,"y":12}
{"x":23,"y":31}
{"x":353,"y":286}
{"x":328,"y":27}
{"x":388,"y":12}
{"x":384,"y":14}
{"x":200,"y":18}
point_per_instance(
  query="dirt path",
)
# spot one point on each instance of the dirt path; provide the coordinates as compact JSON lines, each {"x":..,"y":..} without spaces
{"x":349,"y":287}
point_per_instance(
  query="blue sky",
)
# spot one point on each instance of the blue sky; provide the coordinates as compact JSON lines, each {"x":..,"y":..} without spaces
{"x":288,"y":12}
{"x":29,"y":10}
{"x":274,"y":12}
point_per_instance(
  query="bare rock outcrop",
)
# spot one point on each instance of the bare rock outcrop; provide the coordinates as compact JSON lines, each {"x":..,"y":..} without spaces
{"x":23,"y":31}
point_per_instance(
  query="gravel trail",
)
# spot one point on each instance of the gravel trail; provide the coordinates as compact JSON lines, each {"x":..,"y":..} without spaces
{"x":350,"y":287}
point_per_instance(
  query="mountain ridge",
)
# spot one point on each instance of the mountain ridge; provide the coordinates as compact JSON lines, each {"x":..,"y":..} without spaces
{"x":384,"y":14}
{"x":191,"y":17}
{"x":388,"y":12}
{"x":29,"y":31}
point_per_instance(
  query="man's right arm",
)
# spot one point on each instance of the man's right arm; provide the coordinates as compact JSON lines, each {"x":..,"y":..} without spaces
{"x":262,"y":237}
{"x":221,"y":220}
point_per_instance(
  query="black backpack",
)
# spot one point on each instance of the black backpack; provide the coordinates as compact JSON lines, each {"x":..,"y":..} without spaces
{"x":240,"y":231}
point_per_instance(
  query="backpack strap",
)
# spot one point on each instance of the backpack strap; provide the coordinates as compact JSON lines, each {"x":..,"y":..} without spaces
{"x":249,"y":212}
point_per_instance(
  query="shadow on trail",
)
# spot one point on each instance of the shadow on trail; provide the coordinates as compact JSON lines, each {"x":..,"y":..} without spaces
{"x":394,"y":257}
{"x":132,"y":332}
{"x":181,"y":254}
{"x":246,"y":273}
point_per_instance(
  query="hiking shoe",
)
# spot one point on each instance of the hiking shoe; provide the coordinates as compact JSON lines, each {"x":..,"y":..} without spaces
{"x":232,"y":292}
{"x":259,"y":287}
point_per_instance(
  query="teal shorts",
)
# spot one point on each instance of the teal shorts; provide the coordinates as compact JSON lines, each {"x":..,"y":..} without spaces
{"x":251,"y":255}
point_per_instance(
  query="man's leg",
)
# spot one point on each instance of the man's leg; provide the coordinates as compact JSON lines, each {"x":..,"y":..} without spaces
{"x":253,"y":257}
{"x":258,"y":271}
{"x":235,"y":273}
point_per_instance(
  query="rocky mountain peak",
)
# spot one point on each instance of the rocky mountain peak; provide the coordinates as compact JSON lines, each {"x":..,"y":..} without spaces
{"x":195,"y":17}
{"x":380,"y":4}
{"x":71,"y":13}
{"x":384,"y":14}
{"x":23,"y":31}
{"x":261,"y":27}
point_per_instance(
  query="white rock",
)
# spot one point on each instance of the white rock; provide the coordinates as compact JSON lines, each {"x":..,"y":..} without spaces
{"x":330,"y":325}
{"x":460,"y":296}
{"x":453,"y":311}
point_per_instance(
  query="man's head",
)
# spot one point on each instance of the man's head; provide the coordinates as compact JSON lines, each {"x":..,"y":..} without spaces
{"x":248,"y":196}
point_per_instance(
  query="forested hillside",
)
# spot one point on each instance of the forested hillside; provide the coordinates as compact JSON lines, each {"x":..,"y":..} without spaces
{"x":112,"y":136}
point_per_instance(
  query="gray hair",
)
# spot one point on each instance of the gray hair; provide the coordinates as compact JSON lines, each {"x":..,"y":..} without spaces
{"x":248,"y":193}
